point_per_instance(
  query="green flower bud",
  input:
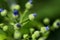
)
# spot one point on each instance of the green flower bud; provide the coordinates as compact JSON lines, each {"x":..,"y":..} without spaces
{"x":55,"y":25}
{"x":15,"y":16}
{"x":28,"y":5}
{"x":15,"y":27}
{"x":43,"y":29}
{"x":33,"y":36}
{"x":17,"y":34}
{"x":32,"y":16}
{"x":46,"y":21}
{"x":41,"y":38}
{"x":3,"y":13}
{"x":25,"y":36}
{"x":17,"y":7}
{"x":31,"y":30}
{"x":36,"y":34}
{"x":5,"y":28}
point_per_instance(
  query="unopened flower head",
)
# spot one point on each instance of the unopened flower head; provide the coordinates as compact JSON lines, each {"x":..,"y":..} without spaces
{"x":4,"y":13}
{"x":15,"y":6}
{"x":25,"y":36}
{"x":32,"y":16}
{"x":41,"y":38}
{"x":44,"y":29}
{"x":32,"y":30}
{"x":35,"y":34}
{"x":28,"y":5}
{"x":56,"y":24}
{"x":17,"y":34}
{"x":5,"y":28}
{"x":46,"y":21}
{"x":17,"y":26}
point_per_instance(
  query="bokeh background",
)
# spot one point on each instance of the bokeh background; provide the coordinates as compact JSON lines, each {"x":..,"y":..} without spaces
{"x":44,"y":8}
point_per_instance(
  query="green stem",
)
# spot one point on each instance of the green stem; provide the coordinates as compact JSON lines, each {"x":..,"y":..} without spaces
{"x":23,"y":15}
{"x":36,"y":24}
{"x":25,"y":23}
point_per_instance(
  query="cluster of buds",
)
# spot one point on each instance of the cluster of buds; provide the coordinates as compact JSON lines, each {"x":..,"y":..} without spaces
{"x":15,"y":25}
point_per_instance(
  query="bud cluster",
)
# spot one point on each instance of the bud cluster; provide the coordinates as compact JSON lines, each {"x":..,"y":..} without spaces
{"x":15,"y":23}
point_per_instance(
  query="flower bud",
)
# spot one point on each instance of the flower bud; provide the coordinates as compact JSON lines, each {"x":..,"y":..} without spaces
{"x":15,"y":13}
{"x":5,"y":28}
{"x":3,"y":13}
{"x":56,"y":24}
{"x":15,"y":26}
{"x":15,"y":6}
{"x":15,"y":16}
{"x":25,"y":36}
{"x":36,"y":34}
{"x":17,"y":34}
{"x":44,"y":29}
{"x":28,"y":5}
{"x":31,"y":30}
{"x":41,"y":38}
{"x":32,"y":16}
{"x":46,"y":21}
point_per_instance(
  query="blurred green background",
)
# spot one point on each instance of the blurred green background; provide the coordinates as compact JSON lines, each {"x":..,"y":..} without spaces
{"x":44,"y":8}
